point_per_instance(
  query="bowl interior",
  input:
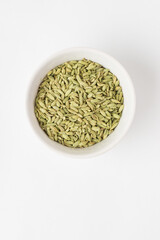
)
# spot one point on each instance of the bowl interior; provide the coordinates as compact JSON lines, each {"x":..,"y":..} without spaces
{"x":127,"y":87}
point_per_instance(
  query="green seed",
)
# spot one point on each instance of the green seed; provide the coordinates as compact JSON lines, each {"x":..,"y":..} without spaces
{"x":68,"y":92}
{"x":115,"y":101}
{"x":50,"y":96}
{"x":121,"y":108}
{"x":95,"y":129}
{"x":116,"y":115}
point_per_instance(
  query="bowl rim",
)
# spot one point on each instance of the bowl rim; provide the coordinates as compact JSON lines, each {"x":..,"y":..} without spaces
{"x":65,"y":51}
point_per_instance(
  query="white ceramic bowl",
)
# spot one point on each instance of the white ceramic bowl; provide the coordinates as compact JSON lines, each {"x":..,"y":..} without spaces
{"x":128,"y":91}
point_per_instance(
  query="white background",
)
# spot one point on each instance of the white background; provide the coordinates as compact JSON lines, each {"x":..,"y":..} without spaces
{"x":44,"y":195}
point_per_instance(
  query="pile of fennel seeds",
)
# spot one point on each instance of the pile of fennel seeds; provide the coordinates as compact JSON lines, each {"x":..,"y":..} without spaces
{"x":79,"y":103}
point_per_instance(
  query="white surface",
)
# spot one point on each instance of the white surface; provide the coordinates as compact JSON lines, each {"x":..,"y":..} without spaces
{"x":45,"y":196}
{"x":128,"y":93}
